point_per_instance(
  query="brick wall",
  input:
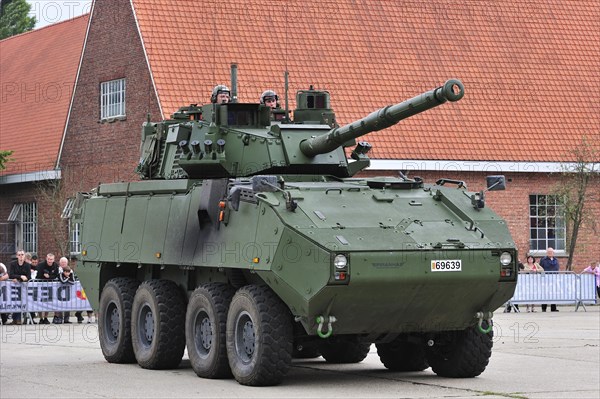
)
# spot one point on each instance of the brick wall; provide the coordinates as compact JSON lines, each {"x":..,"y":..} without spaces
{"x":513,"y":205}
{"x":47,"y":215}
{"x":102,"y":152}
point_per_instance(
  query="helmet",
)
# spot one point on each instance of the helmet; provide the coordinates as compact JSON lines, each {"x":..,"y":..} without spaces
{"x":217,"y":90}
{"x":268,"y":93}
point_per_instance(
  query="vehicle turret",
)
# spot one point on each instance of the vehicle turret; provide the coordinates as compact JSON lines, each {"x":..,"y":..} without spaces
{"x":244,"y":139}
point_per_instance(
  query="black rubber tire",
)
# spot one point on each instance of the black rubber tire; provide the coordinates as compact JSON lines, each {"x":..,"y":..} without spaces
{"x":344,"y":349}
{"x":466,"y":355}
{"x":205,"y":327}
{"x":158,"y":324}
{"x":259,"y":336}
{"x":400,"y":355}
{"x":114,"y":320}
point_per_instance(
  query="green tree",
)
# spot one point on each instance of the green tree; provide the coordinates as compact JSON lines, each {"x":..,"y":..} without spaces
{"x":579,"y":184}
{"x":4,"y":158}
{"x":14,"y":18}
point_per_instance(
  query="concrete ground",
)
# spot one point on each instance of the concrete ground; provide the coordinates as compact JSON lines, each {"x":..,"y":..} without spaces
{"x":535,"y":355}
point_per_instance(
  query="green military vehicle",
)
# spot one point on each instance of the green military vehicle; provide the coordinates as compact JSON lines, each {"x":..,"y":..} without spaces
{"x":250,"y":241}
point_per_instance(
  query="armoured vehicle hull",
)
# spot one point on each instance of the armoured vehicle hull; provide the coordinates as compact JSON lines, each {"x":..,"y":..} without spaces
{"x":248,"y":269}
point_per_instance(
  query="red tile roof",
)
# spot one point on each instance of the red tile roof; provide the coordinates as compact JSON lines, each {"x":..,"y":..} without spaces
{"x":531,"y":70}
{"x":38,"y":71}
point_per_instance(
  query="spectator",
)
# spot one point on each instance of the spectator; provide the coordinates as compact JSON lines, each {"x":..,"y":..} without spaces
{"x":531,"y":266}
{"x":3,"y":277}
{"x":66,"y":276}
{"x":19,"y":272}
{"x":34,"y":264}
{"x":47,"y":271}
{"x":550,"y":264}
{"x":594,"y":270}
{"x":3,"y":272}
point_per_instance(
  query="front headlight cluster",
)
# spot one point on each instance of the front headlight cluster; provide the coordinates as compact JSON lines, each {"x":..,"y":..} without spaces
{"x":340,"y":261}
{"x":340,"y":269}
{"x":505,"y":259}
{"x":507,"y":269}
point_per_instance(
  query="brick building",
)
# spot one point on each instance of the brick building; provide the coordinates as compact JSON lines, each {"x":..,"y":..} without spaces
{"x":531,"y":74}
{"x":37,"y":77}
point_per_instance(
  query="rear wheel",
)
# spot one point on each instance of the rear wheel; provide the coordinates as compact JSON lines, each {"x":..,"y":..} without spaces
{"x":205,"y":327}
{"x":344,"y":349}
{"x":400,"y":355}
{"x":157,"y":328}
{"x":462,"y":354}
{"x":114,"y":320}
{"x":259,"y":336}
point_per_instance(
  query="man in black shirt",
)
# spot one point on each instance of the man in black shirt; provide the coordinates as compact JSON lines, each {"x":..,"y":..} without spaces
{"x":20,"y":272}
{"x":47,"y":270}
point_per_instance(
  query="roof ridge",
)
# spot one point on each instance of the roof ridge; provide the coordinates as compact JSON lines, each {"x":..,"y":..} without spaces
{"x":44,"y":27}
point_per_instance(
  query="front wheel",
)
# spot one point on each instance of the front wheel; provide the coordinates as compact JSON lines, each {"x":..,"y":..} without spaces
{"x":259,"y":337}
{"x":114,"y":320}
{"x":400,"y":355}
{"x":461,"y":354}
{"x":157,"y":325}
{"x":344,"y":349}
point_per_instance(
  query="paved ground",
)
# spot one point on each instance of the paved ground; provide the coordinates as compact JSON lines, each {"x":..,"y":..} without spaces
{"x":536,"y":355}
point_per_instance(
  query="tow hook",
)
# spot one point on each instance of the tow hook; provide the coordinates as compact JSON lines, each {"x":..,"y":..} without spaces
{"x":487,"y":316}
{"x":322,"y":320}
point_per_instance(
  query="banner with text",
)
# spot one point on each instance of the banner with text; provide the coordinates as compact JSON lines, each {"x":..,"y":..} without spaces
{"x":42,"y":296}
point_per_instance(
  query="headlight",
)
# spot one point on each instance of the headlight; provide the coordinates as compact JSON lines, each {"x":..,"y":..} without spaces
{"x":505,"y":258}
{"x":340,"y":261}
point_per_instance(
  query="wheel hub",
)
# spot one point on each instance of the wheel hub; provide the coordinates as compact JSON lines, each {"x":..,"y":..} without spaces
{"x":249,"y":338}
{"x":147,"y":325}
{"x":206,"y":333}
{"x":245,"y":337}
{"x":113,"y":321}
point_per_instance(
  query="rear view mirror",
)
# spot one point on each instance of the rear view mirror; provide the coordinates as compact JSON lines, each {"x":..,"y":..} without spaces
{"x":494,"y":183}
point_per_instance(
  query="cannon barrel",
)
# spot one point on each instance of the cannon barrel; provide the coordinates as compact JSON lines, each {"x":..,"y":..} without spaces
{"x":452,"y":90}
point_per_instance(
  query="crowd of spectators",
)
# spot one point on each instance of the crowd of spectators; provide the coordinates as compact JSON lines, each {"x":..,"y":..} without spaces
{"x":26,"y":267}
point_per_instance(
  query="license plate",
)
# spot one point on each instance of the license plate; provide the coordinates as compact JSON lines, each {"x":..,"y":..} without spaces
{"x":446,"y":265}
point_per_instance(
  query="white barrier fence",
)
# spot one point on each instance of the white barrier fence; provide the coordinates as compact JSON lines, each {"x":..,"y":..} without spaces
{"x":559,"y":288}
{"x":532,"y":288}
{"x":42,"y":296}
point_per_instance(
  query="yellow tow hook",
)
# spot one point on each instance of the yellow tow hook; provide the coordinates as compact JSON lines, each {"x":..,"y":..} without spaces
{"x":488,"y":317}
{"x":322,"y":320}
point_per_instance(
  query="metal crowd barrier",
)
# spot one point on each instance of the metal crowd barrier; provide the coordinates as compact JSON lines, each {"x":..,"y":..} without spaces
{"x":42,"y":296}
{"x":558,"y":288}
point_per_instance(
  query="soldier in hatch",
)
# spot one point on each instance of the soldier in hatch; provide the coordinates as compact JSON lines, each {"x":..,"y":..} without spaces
{"x":220,"y":95}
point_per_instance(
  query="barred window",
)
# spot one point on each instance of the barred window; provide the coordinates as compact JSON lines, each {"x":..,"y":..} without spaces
{"x":68,"y":209}
{"x":74,"y":238}
{"x":546,"y":223}
{"x":112,"y":99}
{"x":24,"y":217}
{"x":74,"y":228}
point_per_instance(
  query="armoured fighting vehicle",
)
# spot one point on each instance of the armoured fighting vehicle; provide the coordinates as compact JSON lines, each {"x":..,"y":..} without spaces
{"x":250,"y":240}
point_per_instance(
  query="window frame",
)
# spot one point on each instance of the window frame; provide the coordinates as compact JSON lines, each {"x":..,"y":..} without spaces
{"x":24,"y":217}
{"x":113,"y":99}
{"x":73,"y":228}
{"x":547,"y":224}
